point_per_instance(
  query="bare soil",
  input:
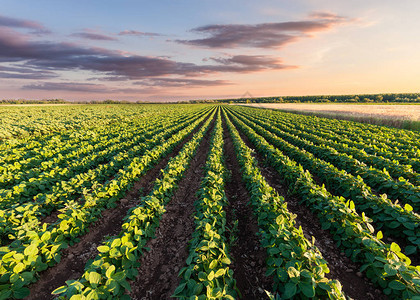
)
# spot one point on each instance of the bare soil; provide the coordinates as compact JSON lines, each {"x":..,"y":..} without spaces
{"x":249,"y":258}
{"x":158,"y":273}
{"x":355,"y":284}
{"x":75,"y":257}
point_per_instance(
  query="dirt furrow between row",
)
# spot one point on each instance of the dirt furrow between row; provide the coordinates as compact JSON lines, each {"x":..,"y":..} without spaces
{"x":247,"y":254}
{"x":158,"y":272}
{"x":355,"y":284}
{"x":75,"y":257}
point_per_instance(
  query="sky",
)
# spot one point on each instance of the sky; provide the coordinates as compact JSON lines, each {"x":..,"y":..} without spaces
{"x":171,"y":50}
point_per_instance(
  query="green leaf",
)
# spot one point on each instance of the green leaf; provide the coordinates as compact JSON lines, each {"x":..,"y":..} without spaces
{"x":131,"y":256}
{"x":198,"y":288}
{"x":220,"y":272}
{"x":390,"y":270}
{"x":308,"y":289}
{"x":5,"y":294}
{"x":326,"y":225}
{"x":408,"y":207}
{"x":116,"y":243}
{"x":410,"y":250}
{"x":208,"y":227}
{"x":213,"y":264}
{"x":293,"y":273}
{"x":395,"y":248}
{"x":393,"y":224}
{"x":226,"y":260}
{"x":119,"y":276}
{"x":93,"y":295}
{"x":290,"y":290}
{"x":46,"y":236}
{"x":180,"y":288}
{"x":379,"y":235}
{"x":31,"y":250}
{"x":210,"y":277}
{"x":94,"y":278}
{"x":60,"y":290}
{"x":202,"y":276}
{"x":27,"y":277}
{"x":110,"y":271}
{"x":397,"y":285}
{"x":103,"y":249}
{"x":18,"y":268}
{"x":21,"y":293}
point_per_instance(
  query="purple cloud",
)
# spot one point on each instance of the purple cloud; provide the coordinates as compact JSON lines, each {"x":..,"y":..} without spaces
{"x":249,"y":63}
{"x":264,"y":35}
{"x":80,"y":87}
{"x":180,"y":82}
{"x":17,"y":47}
{"x":92,"y":35}
{"x":68,"y":56}
{"x":20,"y":23}
{"x":139,"y":33}
{"x":25,"y":73}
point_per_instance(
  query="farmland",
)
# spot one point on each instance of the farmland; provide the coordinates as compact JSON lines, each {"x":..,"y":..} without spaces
{"x":391,"y":114}
{"x":205,"y":202}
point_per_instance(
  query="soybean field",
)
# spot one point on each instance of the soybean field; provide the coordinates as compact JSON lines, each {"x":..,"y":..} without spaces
{"x":200,"y":201}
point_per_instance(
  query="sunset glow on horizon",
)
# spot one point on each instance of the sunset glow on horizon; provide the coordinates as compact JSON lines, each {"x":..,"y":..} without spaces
{"x":180,"y":50}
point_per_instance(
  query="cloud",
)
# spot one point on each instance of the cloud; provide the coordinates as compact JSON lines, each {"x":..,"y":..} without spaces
{"x":80,"y":87}
{"x":180,"y":82}
{"x":37,"y":76}
{"x":249,"y":63}
{"x":139,"y":33}
{"x":53,"y":56}
{"x":20,"y":23}
{"x":17,"y":47}
{"x":263,"y":35}
{"x":25,"y":73}
{"x":93,"y":35}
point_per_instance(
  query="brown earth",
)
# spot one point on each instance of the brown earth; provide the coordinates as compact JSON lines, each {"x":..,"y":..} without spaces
{"x":76,"y":256}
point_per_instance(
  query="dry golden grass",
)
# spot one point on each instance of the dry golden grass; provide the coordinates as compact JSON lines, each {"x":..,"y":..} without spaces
{"x":398,"y":115}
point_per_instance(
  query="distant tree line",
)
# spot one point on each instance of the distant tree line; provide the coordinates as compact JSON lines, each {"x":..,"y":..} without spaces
{"x":24,"y":101}
{"x":62,"y":101}
{"x":363,"y":98}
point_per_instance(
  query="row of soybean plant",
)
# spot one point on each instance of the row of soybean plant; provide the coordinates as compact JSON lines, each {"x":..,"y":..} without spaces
{"x":17,"y":219}
{"x":396,"y":221}
{"x":40,"y":247}
{"x":384,"y":264}
{"x":106,"y":276}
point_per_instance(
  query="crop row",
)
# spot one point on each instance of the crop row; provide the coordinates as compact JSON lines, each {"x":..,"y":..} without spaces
{"x":295,"y":263}
{"x":356,"y":150}
{"x":43,"y":183}
{"x":106,"y":276}
{"x":380,"y":180}
{"x":19,"y":219}
{"x":207,"y":274}
{"x":384,"y":264}
{"x":382,"y":137}
{"x":40,"y":248}
{"x":69,"y":154}
{"x":393,"y":219}
{"x":365,"y":138}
